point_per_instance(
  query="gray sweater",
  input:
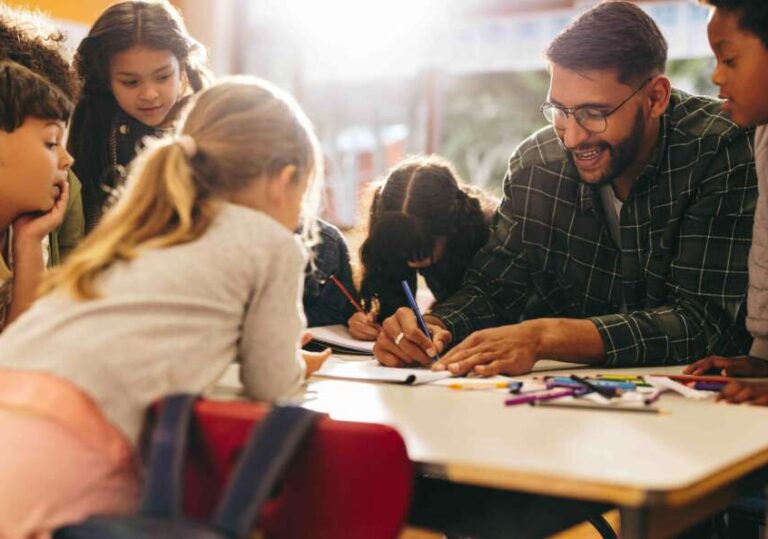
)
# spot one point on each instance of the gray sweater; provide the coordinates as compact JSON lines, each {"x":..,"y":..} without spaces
{"x":173,"y":319}
{"x":757,"y":299}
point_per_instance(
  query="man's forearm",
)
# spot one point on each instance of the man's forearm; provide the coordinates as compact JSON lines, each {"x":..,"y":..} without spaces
{"x":567,"y":339}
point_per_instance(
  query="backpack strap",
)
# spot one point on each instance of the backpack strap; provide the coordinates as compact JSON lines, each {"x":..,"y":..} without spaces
{"x":270,"y":449}
{"x":163,"y":491}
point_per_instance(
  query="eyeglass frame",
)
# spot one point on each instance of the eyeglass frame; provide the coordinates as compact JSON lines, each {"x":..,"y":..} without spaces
{"x":572,"y":111}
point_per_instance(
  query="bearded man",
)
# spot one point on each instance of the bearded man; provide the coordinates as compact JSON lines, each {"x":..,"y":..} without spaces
{"x":623,"y":235}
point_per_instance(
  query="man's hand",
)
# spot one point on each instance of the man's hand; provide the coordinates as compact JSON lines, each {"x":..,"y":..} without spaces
{"x":745,"y":393}
{"x":402,"y":344}
{"x":503,"y":350}
{"x":744,"y":366}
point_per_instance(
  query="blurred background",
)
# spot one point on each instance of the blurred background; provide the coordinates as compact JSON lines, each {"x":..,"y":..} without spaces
{"x":381,"y":80}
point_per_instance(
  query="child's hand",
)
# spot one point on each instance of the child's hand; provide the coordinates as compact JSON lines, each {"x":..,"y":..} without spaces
{"x":363,"y":326}
{"x":745,"y":366}
{"x":745,"y":393}
{"x":34,"y":227}
{"x":315,"y":360}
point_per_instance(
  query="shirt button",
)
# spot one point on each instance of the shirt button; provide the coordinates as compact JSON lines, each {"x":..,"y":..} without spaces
{"x":123,"y":129}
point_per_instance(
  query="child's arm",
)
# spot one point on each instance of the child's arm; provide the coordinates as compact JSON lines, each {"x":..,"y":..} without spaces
{"x":271,"y":364}
{"x":741,"y":392}
{"x":313,"y":360}
{"x":28,"y":266}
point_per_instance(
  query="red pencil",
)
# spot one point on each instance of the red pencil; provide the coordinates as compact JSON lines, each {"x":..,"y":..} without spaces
{"x":346,"y":293}
{"x":693,"y":378}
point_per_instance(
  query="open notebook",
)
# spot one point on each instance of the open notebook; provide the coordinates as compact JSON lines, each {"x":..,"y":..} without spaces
{"x":372,"y":371}
{"x":339,"y":339}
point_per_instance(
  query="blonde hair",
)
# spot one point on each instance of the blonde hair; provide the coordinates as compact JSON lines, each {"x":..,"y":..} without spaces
{"x":244,"y":130}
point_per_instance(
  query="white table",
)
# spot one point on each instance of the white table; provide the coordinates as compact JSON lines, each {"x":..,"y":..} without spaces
{"x":665,"y":471}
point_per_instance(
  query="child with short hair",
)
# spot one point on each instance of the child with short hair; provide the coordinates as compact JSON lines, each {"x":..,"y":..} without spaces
{"x":195,"y":267}
{"x":138,"y":66}
{"x":31,"y":40}
{"x":33,"y":180}
{"x":423,"y":220}
{"x":738,"y":34}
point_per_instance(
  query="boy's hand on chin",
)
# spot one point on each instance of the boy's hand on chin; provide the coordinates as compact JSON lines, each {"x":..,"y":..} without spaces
{"x":35,"y":226}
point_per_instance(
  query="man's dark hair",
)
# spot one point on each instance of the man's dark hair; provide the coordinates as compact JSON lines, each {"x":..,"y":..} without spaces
{"x":617,"y":36}
{"x":753,"y":15}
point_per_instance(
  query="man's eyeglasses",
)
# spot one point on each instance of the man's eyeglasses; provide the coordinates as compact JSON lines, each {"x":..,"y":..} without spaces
{"x":591,"y":119}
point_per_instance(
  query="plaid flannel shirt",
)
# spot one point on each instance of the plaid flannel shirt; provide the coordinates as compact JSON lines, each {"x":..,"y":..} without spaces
{"x":685,"y":228}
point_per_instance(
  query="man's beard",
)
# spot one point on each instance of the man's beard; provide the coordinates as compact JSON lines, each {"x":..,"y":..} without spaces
{"x":621,"y":155}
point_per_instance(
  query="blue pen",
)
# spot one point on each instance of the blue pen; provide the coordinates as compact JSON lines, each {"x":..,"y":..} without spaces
{"x":417,"y":312}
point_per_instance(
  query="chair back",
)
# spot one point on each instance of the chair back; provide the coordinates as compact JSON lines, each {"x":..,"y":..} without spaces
{"x":347,"y":480}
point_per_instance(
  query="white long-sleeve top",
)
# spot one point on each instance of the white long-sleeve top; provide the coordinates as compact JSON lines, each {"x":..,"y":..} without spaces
{"x":173,"y":319}
{"x":757,"y":297}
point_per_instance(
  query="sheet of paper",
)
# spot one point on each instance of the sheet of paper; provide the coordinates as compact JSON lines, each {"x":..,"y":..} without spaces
{"x":338,"y":336}
{"x":372,"y":371}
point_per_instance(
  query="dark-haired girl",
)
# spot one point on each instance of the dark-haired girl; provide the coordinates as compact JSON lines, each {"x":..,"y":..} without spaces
{"x":423,"y":219}
{"x":138,"y":65}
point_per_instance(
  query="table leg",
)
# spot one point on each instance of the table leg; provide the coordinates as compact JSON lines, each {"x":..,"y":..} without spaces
{"x":634,"y":523}
{"x":660,"y":522}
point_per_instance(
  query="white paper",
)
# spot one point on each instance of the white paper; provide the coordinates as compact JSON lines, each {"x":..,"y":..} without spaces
{"x":372,"y":371}
{"x":338,"y":335}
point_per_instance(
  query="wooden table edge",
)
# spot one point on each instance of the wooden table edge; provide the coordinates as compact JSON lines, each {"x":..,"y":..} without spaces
{"x":581,"y":489}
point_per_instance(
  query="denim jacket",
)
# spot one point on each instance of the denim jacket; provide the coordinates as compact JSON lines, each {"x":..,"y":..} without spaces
{"x":324,"y":303}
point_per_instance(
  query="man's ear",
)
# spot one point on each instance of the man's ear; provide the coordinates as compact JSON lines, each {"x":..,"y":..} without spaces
{"x":280,"y":183}
{"x":660,"y":92}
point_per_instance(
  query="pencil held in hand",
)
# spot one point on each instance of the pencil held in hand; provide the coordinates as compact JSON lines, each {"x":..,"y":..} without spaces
{"x":349,"y":296}
{"x":420,"y":319}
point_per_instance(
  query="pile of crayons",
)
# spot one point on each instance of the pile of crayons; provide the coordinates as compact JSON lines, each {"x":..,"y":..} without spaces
{"x":609,"y":387}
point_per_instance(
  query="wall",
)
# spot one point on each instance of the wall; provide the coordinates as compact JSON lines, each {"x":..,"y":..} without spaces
{"x":73,"y":11}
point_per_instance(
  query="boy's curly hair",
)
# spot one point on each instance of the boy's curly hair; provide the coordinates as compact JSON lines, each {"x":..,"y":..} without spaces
{"x":30,"y":39}
{"x":24,"y":94}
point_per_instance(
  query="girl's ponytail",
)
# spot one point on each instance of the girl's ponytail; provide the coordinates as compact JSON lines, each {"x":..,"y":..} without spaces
{"x":231,"y":137}
{"x":161,"y":206}
{"x":471,"y":221}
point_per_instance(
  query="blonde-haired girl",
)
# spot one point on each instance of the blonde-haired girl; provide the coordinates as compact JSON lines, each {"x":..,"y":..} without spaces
{"x":195,"y":267}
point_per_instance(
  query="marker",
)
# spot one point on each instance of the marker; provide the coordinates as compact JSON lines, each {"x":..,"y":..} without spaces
{"x":620,"y":377}
{"x":417,"y":312}
{"x":606,"y":392}
{"x":653,"y":397}
{"x":611,"y":384}
{"x":637,"y":380}
{"x":707,"y":386}
{"x":488,"y":385}
{"x":540,"y":396}
{"x":576,"y":405}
